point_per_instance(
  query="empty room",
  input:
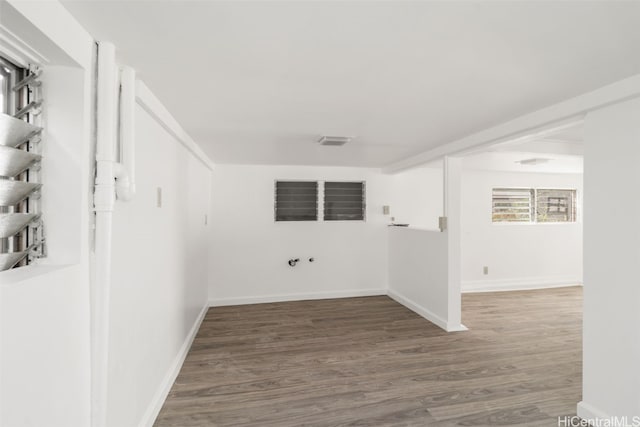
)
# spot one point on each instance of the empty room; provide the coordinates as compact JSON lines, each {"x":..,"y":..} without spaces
{"x":319,"y":213}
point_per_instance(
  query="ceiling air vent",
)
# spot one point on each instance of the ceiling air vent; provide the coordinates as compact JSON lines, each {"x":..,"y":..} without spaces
{"x":334,"y":140}
{"x":535,"y":161}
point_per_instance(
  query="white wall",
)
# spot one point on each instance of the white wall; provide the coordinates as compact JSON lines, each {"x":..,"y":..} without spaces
{"x":159,"y":270}
{"x":611,"y":345}
{"x":418,"y":272}
{"x":249,"y":250}
{"x":159,"y":287}
{"x":417,"y":197}
{"x":44,"y":308}
{"x":518,"y":255}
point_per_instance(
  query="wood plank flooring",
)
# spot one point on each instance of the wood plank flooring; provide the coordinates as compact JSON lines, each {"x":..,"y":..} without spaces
{"x":372,"y":362}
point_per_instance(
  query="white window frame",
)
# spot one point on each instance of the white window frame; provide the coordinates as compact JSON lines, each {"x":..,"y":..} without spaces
{"x":534,"y":200}
{"x":320,"y":201}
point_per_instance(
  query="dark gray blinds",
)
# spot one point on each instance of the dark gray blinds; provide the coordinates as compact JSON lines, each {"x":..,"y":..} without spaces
{"x":344,"y":201}
{"x":296,"y":201}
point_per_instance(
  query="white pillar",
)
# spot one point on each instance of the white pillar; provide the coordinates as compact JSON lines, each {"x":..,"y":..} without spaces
{"x":452,"y":211}
{"x":611,"y":343}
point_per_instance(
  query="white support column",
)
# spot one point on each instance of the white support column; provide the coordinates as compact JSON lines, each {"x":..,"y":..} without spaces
{"x":452,"y":210}
{"x":611,"y":331}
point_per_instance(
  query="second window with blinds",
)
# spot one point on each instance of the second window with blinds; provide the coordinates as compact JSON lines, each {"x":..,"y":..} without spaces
{"x":320,"y":200}
{"x":533,"y":205}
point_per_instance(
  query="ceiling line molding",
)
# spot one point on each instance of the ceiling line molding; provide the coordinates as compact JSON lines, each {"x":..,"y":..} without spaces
{"x":571,"y":110}
{"x":152,"y":105}
{"x":50,"y":22}
{"x":17,"y":51}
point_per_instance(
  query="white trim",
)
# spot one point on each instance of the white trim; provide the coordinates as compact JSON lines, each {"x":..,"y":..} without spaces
{"x":158,"y":400}
{"x":558,"y":114}
{"x":591,"y":413}
{"x":220,"y":302}
{"x":418,"y":309}
{"x":54,"y":21}
{"x":17,"y":51}
{"x":148,"y":101}
{"x":452,"y":180}
{"x":519,"y":284}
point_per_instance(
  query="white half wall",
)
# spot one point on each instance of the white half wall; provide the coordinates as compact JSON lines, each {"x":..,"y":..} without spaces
{"x":159,"y":273}
{"x":611,"y":345}
{"x":249,"y":250}
{"x":417,"y":197}
{"x":518,"y":256}
{"x":418,"y":272}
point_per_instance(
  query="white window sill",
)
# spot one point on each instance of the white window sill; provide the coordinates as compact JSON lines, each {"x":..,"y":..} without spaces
{"x":29,"y":272}
{"x":529,"y":224}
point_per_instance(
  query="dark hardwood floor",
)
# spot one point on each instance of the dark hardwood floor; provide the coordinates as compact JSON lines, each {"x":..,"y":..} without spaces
{"x":372,"y":362}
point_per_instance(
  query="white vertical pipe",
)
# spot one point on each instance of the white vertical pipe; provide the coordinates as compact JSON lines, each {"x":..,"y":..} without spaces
{"x":104,"y":201}
{"x":125,"y":171}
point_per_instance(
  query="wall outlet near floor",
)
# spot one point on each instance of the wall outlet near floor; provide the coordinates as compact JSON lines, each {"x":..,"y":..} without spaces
{"x":485,"y":270}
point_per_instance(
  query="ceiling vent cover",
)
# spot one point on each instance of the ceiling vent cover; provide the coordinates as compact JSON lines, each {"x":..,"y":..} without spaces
{"x":334,"y":140}
{"x":535,"y":161}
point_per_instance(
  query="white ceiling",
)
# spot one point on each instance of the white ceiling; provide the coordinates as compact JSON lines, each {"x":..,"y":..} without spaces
{"x":508,"y":161}
{"x":258,"y":82}
{"x":563,"y":149}
{"x":568,"y":141}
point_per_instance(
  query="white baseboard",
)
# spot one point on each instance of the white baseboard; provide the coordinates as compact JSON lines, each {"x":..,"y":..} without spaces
{"x":219,"y":302}
{"x":154,"y":407}
{"x":519,"y":284}
{"x":591,"y":413}
{"x":427,"y":314}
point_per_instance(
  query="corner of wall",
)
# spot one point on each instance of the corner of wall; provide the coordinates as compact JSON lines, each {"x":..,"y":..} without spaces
{"x":159,"y":398}
{"x":592,"y":415}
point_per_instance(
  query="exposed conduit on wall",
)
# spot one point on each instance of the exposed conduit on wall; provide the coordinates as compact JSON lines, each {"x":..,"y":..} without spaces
{"x":113,"y":179}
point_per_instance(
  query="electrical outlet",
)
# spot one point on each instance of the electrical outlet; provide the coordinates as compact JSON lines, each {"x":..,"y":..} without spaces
{"x":206,"y":219}
{"x":159,"y":197}
{"x":485,"y":270}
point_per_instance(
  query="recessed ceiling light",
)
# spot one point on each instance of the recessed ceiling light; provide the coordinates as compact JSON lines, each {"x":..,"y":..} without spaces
{"x":334,"y":140}
{"x":534,"y":161}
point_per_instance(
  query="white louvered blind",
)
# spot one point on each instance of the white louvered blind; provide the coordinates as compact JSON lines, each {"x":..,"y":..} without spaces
{"x":534,"y":205}
{"x":512,"y":205}
{"x":21,"y":230}
{"x":555,"y":205}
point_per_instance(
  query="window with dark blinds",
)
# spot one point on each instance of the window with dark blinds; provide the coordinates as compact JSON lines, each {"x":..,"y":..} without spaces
{"x":344,"y":201}
{"x":296,"y":201}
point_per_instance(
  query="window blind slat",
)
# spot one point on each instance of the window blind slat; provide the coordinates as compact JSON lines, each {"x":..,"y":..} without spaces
{"x":14,"y":132}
